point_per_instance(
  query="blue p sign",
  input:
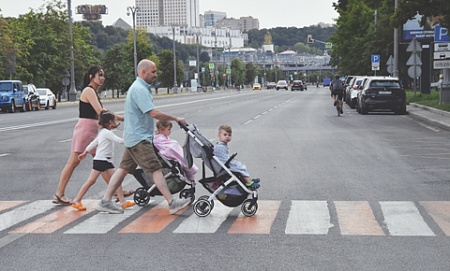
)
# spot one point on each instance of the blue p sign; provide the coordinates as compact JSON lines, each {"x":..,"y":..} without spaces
{"x":375,"y":58}
{"x":441,"y":34}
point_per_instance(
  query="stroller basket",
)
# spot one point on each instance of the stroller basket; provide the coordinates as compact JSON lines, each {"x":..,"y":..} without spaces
{"x":231,"y":196}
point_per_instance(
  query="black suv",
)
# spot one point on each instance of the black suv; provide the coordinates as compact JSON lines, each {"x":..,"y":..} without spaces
{"x":297,"y":84}
{"x":382,"y":93}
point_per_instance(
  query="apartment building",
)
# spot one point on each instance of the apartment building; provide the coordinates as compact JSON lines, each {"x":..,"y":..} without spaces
{"x":167,"y":12}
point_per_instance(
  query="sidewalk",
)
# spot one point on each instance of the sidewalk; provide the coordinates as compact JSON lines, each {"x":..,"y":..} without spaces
{"x":430,"y":115}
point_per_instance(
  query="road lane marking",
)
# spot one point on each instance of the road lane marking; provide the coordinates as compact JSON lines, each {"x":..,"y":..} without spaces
{"x":23,"y":213}
{"x":153,"y":221}
{"x":261,"y":222}
{"x":440,"y":212}
{"x":4,"y":205}
{"x":402,"y":218}
{"x":102,"y":223}
{"x":209,"y":224}
{"x":4,"y":154}
{"x":356,"y":218}
{"x":308,"y":217}
{"x":56,"y":220}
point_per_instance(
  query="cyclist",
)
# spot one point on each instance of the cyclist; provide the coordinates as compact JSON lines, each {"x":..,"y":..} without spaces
{"x":337,"y":89}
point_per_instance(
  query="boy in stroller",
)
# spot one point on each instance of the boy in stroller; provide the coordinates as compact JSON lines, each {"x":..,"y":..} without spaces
{"x":221,"y":151}
{"x":226,"y":186}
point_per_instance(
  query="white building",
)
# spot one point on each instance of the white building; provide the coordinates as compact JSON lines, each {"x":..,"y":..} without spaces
{"x":167,"y":12}
{"x":208,"y":37}
{"x":211,"y":17}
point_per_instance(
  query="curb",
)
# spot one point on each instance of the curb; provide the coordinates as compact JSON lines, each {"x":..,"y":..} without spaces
{"x":435,"y":121}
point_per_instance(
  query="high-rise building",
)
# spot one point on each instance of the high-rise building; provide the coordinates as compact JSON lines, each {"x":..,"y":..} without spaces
{"x":167,"y":12}
{"x":244,"y":23}
{"x":211,"y":17}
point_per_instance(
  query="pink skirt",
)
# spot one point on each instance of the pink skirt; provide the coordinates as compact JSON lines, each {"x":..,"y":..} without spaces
{"x":84,"y":133}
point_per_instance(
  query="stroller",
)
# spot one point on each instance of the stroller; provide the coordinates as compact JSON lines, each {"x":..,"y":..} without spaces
{"x":226,"y":186}
{"x":176,"y":181}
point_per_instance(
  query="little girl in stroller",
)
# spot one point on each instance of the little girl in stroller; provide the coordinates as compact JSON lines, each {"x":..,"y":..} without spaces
{"x":226,"y":186}
{"x":175,"y":169}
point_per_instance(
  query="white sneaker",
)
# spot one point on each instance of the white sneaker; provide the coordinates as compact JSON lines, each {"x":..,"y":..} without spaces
{"x":177,"y":204}
{"x":109,"y":207}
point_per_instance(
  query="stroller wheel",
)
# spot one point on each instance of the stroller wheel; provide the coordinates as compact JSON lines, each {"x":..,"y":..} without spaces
{"x":141,"y":196}
{"x":249,"y":209}
{"x":202,"y":207}
{"x":186,"y":193}
{"x":206,"y":198}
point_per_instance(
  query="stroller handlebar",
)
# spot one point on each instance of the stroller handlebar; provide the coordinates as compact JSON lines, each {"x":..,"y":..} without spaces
{"x":183,"y":126}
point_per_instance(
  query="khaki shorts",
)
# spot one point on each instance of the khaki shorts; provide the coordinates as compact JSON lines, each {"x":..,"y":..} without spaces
{"x":142,"y":155}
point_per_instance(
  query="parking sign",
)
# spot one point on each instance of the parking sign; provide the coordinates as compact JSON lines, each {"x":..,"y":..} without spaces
{"x":441,"y":34}
{"x":375,"y":59}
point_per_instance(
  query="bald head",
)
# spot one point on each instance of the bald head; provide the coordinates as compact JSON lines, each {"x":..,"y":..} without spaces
{"x":146,"y":70}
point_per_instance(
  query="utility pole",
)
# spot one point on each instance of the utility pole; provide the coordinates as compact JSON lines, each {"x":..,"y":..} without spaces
{"x":175,"y":91}
{"x":395,"y":71}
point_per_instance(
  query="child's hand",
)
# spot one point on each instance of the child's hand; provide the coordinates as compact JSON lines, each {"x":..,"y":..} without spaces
{"x":82,"y":156}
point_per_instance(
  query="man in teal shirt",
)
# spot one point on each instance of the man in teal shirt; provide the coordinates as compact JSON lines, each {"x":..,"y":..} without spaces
{"x":138,"y":135}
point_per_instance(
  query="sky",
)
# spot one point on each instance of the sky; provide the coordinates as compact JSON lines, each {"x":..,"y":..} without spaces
{"x":285,"y":13}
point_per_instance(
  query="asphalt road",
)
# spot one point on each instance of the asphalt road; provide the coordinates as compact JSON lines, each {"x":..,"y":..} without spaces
{"x":353,"y":192}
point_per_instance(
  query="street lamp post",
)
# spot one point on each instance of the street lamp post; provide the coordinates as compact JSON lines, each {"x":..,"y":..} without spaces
{"x":133,"y":12}
{"x":72,"y":91}
{"x":175,"y":90}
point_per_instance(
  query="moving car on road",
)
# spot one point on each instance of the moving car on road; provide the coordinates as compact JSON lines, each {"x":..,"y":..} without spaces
{"x":282,"y":84}
{"x":46,"y":98}
{"x":256,"y":86}
{"x":298,"y":85}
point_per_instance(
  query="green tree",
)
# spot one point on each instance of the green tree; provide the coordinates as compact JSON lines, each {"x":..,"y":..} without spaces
{"x":119,"y":70}
{"x":439,"y":9}
{"x":250,"y":73}
{"x":166,"y":72}
{"x":237,"y":72}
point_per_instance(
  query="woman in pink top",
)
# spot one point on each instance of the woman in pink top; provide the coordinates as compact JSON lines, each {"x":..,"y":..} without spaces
{"x":170,"y":148}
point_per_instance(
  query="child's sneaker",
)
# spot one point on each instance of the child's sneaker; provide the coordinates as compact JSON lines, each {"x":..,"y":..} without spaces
{"x":253,"y":185}
{"x":128,"y":204}
{"x":256,"y":180}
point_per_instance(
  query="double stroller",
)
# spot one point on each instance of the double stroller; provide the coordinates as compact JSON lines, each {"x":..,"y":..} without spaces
{"x":176,"y":181}
{"x":226,"y":186}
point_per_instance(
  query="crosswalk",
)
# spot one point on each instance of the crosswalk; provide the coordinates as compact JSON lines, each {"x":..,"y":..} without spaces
{"x":302,"y":217}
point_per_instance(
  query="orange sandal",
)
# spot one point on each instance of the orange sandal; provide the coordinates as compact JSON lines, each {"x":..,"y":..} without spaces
{"x":128,"y":204}
{"x":79,"y":206}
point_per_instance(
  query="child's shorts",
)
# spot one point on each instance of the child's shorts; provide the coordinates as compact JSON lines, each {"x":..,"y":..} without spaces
{"x":102,"y":165}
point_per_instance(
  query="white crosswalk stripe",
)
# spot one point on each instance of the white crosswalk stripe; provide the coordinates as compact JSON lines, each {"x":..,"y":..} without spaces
{"x":402,"y":218}
{"x":308,"y":217}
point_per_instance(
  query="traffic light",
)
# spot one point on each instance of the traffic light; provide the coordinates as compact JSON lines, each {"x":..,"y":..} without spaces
{"x":310,"y":39}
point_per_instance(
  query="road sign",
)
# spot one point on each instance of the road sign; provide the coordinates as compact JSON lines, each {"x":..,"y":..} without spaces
{"x":203,"y":69}
{"x":442,"y":47}
{"x":228,"y":71}
{"x":376,"y":68}
{"x":211,"y":66}
{"x":441,"y":34}
{"x":414,"y":46}
{"x":329,"y":45}
{"x":441,"y":64}
{"x":414,"y":59}
{"x":441,"y":55}
{"x":390,"y":64}
{"x":376,"y":59}
{"x":414,"y":71}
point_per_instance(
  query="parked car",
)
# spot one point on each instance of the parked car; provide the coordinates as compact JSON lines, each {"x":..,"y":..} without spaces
{"x":382,"y":93}
{"x":46,"y":98}
{"x":11,"y":96}
{"x":31,"y":97}
{"x":297,"y":84}
{"x":256,"y":86}
{"x":282,"y":84}
{"x":270,"y":85}
{"x":351,"y":92}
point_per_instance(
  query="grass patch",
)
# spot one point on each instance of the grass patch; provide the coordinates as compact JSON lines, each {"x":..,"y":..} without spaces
{"x":431,"y":100}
